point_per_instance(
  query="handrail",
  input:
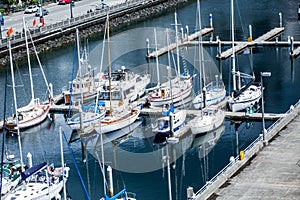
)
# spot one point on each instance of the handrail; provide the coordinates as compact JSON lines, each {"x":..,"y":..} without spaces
{"x":247,"y":149}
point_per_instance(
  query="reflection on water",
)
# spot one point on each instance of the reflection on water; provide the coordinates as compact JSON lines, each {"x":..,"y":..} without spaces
{"x":197,"y":159}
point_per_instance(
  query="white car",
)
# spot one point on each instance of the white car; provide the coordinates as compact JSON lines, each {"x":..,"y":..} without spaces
{"x":31,"y":9}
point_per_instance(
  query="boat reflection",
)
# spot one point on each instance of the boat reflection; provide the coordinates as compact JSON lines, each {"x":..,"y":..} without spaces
{"x":205,"y":143}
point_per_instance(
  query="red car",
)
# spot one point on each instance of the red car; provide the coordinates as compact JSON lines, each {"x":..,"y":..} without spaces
{"x":64,"y":1}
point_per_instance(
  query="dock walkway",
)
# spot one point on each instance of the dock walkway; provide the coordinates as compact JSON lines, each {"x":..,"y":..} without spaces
{"x":273,"y":174}
{"x":242,"y":45}
{"x":267,"y":171}
{"x":172,"y":46}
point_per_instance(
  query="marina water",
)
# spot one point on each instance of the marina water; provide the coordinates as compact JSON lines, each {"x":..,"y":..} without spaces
{"x":136,"y":159}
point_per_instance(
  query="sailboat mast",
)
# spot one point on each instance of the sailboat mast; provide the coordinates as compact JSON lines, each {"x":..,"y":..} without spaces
{"x":62,"y":161}
{"x":79,"y":64}
{"x":15,"y":103}
{"x":200,"y":48}
{"x":169,"y":63}
{"x":156,"y":59}
{"x":109,"y":67}
{"x":28,"y":58}
{"x":177,"y":49}
{"x":233,"y":51}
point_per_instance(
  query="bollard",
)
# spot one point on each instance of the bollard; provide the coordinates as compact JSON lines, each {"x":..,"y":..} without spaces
{"x":242,"y":156}
{"x":250,"y":34}
{"x":148,"y":46}
{"x":187,"y":32}
{"x":29,"y":159}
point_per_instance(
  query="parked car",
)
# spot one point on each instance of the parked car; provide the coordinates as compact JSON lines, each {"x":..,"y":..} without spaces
{"x":64,"y":1}
{"x":31,"y":9}
{"x":44,"y":12}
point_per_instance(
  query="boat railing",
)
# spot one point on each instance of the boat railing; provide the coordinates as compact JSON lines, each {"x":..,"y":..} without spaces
{"x":250,"y":150}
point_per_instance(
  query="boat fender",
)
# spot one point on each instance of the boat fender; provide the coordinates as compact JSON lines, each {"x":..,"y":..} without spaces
{"x":20,"y":117}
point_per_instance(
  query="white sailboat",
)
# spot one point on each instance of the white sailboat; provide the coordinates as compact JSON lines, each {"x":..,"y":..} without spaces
{"x":209,"y":120}
{"x":35,"y":183}
{"x":120,"y":116}
{"x":34,"y":113}
{"x":181,"y":85}
{"x":208,"y":117}
{"x":245,"y":96}
{"x":172,"y":120}
{"x":213,"y":92}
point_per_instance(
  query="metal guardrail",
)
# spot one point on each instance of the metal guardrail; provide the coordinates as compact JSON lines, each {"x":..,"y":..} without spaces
{"x":247,"y":150}
{"x":72,"y":22}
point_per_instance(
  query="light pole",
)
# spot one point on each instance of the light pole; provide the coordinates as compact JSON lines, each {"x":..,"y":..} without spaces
{"x":1,"y":24}
{"x":71,"y":10}
{"x":263,"y":74}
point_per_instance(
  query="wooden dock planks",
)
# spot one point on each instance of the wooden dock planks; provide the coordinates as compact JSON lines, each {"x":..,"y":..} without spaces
{"x":172,"y":46}
{"x":241,"y":46}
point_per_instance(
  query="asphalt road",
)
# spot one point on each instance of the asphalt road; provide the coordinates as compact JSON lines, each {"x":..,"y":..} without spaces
{"x":56,"y":13}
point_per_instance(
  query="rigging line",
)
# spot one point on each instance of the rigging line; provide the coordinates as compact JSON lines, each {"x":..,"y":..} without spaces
{"x":40,"y":65}
{"x":21,"y":79}
{"x":75,"y":164}
{"x":239,"y":13}
{"x":3,"y":125}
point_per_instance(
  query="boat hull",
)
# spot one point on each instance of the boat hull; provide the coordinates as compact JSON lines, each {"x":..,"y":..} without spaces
{"x":209,"y":120}
{"x":158,"y":99}
{"x":248,"y":98}
{"x":110,"y":124}
{"x":29,"y":119}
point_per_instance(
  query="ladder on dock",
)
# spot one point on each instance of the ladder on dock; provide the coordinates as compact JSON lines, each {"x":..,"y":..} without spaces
{"x":242,"y":45}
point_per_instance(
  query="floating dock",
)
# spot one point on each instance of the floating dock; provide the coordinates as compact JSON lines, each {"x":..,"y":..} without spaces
{"x":242,"y":45}
{"x":172,"y":46}
{"x":261,"y":170}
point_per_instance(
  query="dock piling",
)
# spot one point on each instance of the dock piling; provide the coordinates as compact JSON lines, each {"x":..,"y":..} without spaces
{"x":280,"y":20}
{"x":187,"y":33}
{"x":292,"y":45}
{"x":210,"y":21}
